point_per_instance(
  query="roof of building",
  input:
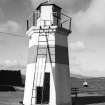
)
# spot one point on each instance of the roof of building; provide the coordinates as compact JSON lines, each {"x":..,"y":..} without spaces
{"x":47,"y":3}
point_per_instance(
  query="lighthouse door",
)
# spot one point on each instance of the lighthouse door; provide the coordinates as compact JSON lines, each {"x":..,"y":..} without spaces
{"x":43,"y":93}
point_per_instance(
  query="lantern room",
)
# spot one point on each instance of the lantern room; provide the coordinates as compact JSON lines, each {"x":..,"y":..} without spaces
{"x":49,"y":14}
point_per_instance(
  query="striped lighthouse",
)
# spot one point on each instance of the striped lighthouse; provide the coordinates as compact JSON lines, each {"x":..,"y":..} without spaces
{"x":47,"y":75}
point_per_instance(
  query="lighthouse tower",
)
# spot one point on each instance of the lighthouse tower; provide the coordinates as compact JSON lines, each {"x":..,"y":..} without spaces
{"x":48,"y":76}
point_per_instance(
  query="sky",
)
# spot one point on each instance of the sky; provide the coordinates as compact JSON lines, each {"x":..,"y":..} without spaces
{"x":86,"y":42}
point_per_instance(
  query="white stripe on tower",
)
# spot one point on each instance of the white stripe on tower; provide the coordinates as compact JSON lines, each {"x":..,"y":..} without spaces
{"x":30,"y":69}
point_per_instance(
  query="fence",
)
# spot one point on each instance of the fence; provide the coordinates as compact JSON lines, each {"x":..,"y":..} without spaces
{"x":75,"y":91}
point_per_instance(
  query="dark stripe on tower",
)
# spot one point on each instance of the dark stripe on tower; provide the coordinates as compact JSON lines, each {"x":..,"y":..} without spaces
{"x":61,"y":55}
{"x":58,"y":55}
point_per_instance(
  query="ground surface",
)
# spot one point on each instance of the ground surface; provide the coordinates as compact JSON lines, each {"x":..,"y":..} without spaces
{"x":88,"y":99}
{"x":10,"y":98}
{"x":13,"y":98}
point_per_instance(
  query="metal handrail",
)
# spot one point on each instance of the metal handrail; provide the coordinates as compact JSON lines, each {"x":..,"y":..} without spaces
{"x":58,"y":20}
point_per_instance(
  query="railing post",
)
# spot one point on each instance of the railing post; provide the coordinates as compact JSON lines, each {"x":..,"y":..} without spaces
{"x":33,"y":18}
{"x":70,"y":24}
{"x":27,"y":25}
{"x":44,"y":22}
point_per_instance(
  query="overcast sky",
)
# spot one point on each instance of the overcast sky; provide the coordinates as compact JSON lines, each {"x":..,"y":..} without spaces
{"x":86,"y":43}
